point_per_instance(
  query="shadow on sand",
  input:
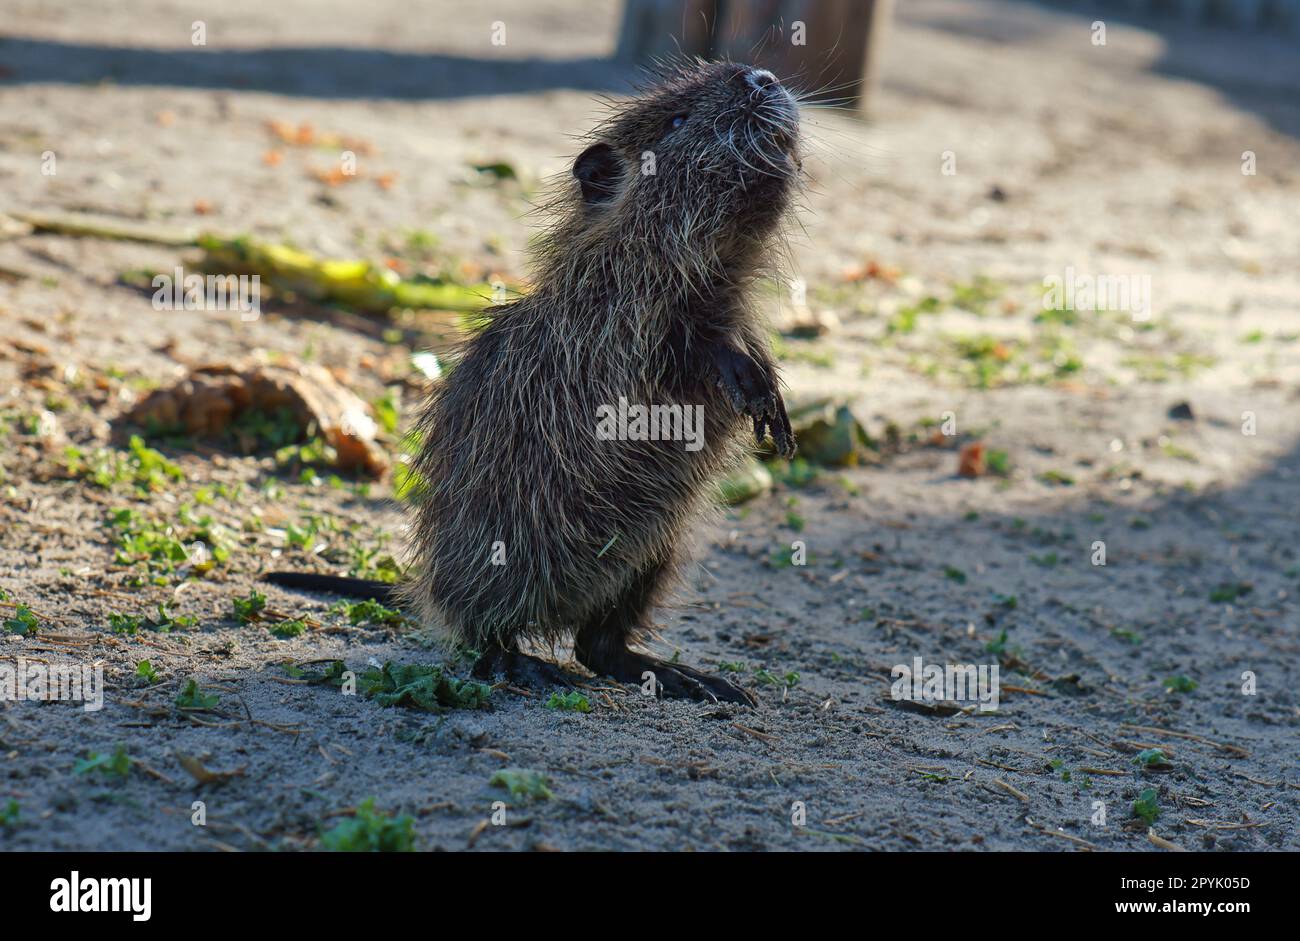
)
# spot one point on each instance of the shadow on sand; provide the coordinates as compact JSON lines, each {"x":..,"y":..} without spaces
{"x":307,"y":71}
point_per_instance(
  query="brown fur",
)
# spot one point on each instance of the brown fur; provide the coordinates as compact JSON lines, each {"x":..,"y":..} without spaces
{"x":639,"y":278}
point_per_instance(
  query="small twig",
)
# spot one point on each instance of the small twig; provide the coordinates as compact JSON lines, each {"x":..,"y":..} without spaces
{"x":1018,"y":795}
{"x":1042,"y":828}
{"x":1242,"y":774}
{"x":1234,"y":749}
{"x":1161,"y":842}
{"x":79,"y":224}
{"x":994,"y":764}
{"x":1214,"y":825}
{"x":754,"y":732}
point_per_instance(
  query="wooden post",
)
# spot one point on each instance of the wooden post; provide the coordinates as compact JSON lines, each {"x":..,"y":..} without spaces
{"x":828,"y":47}
{"x":661,"y":29}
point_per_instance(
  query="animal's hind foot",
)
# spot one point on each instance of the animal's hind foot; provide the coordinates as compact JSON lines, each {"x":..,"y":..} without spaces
{"x":678,"y":681}
{"x":672,"y":680}
{"x":521,"y":669}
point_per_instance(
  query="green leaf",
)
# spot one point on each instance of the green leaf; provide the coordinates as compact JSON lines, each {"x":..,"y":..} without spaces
{"x":1180,"y":684}
{"x":521,"y":782}
{"x":500,"y":170}
{"x":424,"y":687}
{"x":250,"y":608}
{"x":766,"y":676}
{"x":23,"y":622}
{"x":1229,"y":592}
{"x":369,"y":612}
{"x":570,"y":702}
{"x":287,"y":629}
{"x":1151,"y":758}
{"x":387,"y":411}
{"x":192,"y":697}
{"x":371,"y":831}
{"x":1146,"y":806}
{"x":117,"y":764}
{"x":332,"y":675}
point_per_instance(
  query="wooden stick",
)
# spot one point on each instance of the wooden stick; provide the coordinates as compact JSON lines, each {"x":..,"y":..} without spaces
{"x":86,"y":226}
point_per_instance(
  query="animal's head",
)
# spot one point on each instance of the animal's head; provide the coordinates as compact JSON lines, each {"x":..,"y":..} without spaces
{"x":705,"y":163}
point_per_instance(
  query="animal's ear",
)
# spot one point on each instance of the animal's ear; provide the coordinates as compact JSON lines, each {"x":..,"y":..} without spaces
{"x":598,"y":170}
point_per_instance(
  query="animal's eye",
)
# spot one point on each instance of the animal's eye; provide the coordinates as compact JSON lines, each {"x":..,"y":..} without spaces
{"x":676,"y":121}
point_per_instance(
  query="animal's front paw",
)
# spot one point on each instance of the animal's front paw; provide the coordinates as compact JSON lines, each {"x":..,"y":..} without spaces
{"x":745,"y":383}
{"x":753,"y":392}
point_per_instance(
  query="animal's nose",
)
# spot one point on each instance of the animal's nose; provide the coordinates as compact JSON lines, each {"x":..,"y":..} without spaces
{"x":758,"y":79}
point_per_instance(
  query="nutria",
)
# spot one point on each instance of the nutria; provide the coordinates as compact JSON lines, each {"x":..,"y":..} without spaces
{"x":532,"y":522}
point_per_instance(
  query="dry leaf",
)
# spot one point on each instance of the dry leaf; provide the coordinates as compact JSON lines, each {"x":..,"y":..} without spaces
{"x":970,"y":462}
{"x":209,"y":398}
{"x":203,"y":775}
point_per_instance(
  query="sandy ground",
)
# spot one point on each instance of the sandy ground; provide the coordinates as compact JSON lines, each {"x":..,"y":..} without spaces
{"x":1120,"y":160}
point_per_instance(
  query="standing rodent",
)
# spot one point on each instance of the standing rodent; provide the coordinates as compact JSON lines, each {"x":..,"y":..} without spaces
{"x":528,"y":525}
{"x":639,"y":296}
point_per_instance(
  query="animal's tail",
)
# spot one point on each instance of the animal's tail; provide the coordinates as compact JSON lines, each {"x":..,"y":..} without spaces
{"x":382,"y":592}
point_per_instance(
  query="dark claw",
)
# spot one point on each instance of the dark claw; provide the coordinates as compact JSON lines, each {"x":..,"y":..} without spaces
{"x":520,"y":669}
{"x":677,"y":681}
{"x":783,"y":434}
{"x":753,"y":391}
{"x":672,"y":680}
